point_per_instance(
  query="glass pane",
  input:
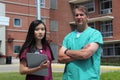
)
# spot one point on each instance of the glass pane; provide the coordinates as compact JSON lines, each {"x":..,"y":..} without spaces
{"x":108,"y":51}
{"x":0,"y":45}
{"x":105,"y":6}
{"x":42,"y":3}
{"x":106,"y":28}
{"x":17,"y":49}
{"x":117,"y":49}
{"x":90,"y":6}
{"x":17,"y":22}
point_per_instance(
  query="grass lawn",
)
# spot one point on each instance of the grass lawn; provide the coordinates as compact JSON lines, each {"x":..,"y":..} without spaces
{"x":17,"y":76}
{"x":110,"y":76}
{"x":57,"y":76}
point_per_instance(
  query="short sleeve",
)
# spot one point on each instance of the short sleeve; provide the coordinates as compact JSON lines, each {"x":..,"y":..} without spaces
{"x":68,"y":40}
{"x":64,"y":43}
{"x":23,"y":54}
{"x":96,"y":37}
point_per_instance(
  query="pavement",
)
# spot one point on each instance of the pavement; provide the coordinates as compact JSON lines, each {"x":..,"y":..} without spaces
{"x":56,"y":67}
{"x":103,"y":68}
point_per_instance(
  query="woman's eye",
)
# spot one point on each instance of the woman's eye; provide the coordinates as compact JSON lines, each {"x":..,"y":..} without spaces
{"x":42,"y":29}
{"x":37,"y":29}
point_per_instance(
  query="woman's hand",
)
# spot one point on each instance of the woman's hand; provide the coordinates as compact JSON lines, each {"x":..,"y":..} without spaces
{"x":24,"y":69}
{"x":45,"y":64}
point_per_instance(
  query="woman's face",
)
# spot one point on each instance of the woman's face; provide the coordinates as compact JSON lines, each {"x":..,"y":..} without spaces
{"x":39,"y":32}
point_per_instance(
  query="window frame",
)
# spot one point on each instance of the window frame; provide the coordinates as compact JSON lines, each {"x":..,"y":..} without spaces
{"x":106,"y":29}
{"x":42,"y":3}
{"x":108,"y":10}
{"x":16,"y":48}
{"x":90,"y":5}
{"x":54,"y":48}
{"x":92,"y":23}
{"x":112,"y":47}
{"x":0,"y":44}
{"x":20,"y":22}
{"x":43,"y":19}
{"x":53,"y":4}
{"x":53,"y":25}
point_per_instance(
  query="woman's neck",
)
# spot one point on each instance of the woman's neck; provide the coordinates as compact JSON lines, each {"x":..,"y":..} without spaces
{"x":39,"y":44}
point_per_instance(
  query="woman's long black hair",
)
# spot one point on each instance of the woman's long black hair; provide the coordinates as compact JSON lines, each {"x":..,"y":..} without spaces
{"x":30,"y":39}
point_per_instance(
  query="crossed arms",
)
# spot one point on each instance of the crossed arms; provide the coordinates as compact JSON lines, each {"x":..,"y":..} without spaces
{"x":71,"y":55}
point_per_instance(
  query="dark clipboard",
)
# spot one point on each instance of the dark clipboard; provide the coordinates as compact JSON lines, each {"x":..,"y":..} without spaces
{"x":34,"y":60}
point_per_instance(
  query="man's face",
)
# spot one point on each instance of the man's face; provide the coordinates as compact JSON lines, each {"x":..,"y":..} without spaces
{"x":80,"y":17}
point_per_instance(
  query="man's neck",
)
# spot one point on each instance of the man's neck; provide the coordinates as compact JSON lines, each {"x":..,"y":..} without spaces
{"x":81,"y":28}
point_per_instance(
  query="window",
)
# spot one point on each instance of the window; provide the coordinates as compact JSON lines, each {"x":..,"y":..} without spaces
{"x":111,"y":49}
{"x":108,"y":50}
{"x":17,"y":22}
{"x":53,"y":4}
{"x":106,"y":28}
{"x":117,"y":49}
{"x":92,"y":24}
{"x":17,"y":49}
{"x":54,"y":48}
{"x":0,"y":45}
{"x":105,"y":6}
{"x":90,"y":6}
{"x":43,"y":20}
{"x":53,"y":26}
{"x":42,"y":3}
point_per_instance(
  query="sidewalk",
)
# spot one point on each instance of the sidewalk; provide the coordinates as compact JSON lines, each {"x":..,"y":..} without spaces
{"x":103,"y":67}
{"x":57,"y":67}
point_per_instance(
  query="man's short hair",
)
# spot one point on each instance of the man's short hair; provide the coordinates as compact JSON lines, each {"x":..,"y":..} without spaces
{"x":82,"y":8}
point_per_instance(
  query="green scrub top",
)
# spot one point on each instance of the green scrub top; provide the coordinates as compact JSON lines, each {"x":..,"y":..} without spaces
{"x":88,"y":69}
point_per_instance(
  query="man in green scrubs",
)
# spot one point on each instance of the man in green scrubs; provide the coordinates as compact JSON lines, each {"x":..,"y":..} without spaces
{"x":81,"y":50}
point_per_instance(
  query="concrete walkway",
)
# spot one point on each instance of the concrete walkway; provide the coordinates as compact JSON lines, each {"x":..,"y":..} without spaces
{"x":103,"y":68}
{"x":56,"y":67}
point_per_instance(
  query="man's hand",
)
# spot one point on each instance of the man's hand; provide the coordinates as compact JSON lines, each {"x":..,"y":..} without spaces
{"x":84,"y":53}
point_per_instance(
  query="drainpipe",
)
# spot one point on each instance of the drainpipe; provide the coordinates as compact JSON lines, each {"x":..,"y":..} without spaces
{"x":38,"y":10}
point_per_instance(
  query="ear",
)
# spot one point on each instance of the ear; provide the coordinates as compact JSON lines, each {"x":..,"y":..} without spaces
{"x":87,"y":18}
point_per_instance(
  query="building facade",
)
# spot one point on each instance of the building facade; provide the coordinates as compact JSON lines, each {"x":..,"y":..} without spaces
{"x":22,"y":12}
{"x":104,"y":16}
{"x":58,"y":17}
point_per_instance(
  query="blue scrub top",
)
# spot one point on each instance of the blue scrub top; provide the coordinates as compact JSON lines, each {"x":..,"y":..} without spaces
{"x":88,"y":69}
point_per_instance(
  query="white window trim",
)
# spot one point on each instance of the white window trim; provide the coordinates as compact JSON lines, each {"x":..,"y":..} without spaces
{"x":107,"y":10}
{"x":42,"y":4}
{"x":14,"y":48}
{"x":103,"y":25}
{"x":113,"y":48}
{"x":17,"y":25}
{"x":93,"y":2}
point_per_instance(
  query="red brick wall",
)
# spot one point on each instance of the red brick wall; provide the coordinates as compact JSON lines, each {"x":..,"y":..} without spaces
{"x":63,"y":15}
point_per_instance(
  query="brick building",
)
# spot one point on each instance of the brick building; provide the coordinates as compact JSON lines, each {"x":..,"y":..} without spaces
{"x":22,"y":12}
{"x":57,"y":15}
{"x":104,"y":16}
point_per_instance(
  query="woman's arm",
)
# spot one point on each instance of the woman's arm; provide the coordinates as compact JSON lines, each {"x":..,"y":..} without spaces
{"x":26,"y":70}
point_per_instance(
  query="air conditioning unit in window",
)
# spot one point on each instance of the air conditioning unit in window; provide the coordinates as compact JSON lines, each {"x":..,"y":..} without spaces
{"x":107,"y":11}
